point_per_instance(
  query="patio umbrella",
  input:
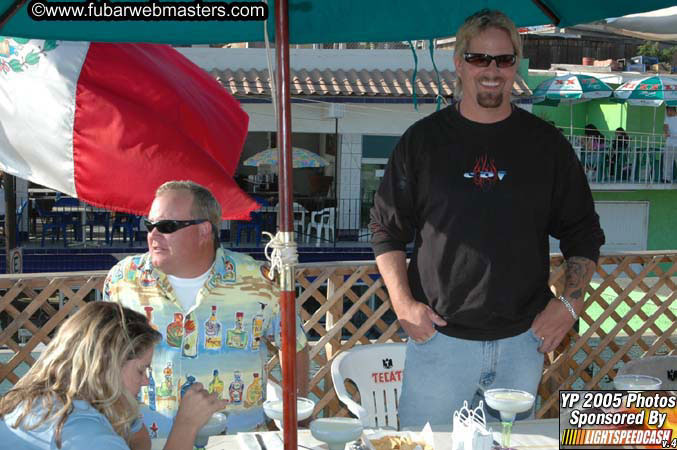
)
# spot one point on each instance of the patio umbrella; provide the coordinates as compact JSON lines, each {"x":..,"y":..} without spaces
{"x":314,"y":21}
{"x":301,"y":158}
{"x":650,"y":91}
{"x":570,"y":88}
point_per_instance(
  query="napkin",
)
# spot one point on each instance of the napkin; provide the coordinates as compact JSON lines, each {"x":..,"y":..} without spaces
{"x":247,"y":441}
{"x":271,"y":440}
{"x":470,"y":429}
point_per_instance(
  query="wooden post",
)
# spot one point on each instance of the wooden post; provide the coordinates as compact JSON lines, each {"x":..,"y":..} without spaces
{"x":286,"y":218}
{"x":333,"y":314}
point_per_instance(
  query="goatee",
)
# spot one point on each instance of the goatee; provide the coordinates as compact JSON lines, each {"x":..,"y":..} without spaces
{"x":489,"y":100}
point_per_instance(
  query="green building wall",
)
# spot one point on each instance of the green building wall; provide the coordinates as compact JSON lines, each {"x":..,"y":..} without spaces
{"x":607,"y":115}
{"x":662,"y":232}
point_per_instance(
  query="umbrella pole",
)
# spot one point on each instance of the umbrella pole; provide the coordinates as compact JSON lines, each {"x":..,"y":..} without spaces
{"x":285,"y":187}
{"x":571,"y":120}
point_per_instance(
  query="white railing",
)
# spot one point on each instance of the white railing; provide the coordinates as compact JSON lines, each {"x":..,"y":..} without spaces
{"x":640,"y":159}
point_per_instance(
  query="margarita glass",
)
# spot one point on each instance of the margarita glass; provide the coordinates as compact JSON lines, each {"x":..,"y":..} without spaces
{"x":215,"y":425}
{"x":630,"y":382}
{"x":508,"y":402}
{"x":274,"y":409}
{"x":336,"y":431}
{"x":636,"y":383}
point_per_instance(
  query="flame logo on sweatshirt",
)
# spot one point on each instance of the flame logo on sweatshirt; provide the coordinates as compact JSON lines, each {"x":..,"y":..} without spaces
{"x":484,"y":173}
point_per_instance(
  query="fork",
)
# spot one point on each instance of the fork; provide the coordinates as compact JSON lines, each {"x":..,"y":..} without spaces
{"x":259,"y":440}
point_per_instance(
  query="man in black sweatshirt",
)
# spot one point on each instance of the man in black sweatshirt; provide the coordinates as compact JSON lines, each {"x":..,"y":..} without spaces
{"x":478,"y":187}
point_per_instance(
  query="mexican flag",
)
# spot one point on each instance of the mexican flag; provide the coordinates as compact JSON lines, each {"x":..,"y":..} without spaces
{"x":108,"y":123}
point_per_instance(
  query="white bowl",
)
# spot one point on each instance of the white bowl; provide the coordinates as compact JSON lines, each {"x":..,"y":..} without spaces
{"x":631,"y":382}
{"x":215,"y":425}
{"x":336,"y":431}
{"x":274,"y":408}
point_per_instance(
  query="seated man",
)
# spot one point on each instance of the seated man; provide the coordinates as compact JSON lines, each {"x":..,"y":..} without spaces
{"x":214,"y":308}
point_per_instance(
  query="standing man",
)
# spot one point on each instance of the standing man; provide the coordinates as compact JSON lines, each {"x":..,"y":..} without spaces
{"x":214,"y":308}
{"x":670,"y":133}
{"x":478,"y":187}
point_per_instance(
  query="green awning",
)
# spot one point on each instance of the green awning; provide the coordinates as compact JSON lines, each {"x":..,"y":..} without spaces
{"x":316,"y":21}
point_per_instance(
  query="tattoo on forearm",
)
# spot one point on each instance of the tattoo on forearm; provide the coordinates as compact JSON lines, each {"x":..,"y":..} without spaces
{"x":578,"y":274}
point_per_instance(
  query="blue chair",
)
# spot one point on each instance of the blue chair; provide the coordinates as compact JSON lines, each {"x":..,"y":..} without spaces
{"x":71,"y":213}
{"x":255,"y":225}
{"x":128,"y":224}
{"x":52,"y":223}
{"x":98,"y":218}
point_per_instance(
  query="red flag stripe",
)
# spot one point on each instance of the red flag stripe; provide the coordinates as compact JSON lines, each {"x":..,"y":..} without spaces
{"x":144,"y":115}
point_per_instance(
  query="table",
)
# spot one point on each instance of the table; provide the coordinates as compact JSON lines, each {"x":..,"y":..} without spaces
{"x":528,"y":434}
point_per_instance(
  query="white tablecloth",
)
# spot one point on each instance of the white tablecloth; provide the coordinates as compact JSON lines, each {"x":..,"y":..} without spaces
{"x":527,"y":434}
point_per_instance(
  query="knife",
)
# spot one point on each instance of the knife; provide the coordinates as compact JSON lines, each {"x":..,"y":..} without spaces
{"x":259,"y":439}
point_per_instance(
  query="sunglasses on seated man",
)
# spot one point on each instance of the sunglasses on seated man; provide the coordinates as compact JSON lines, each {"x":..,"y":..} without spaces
{"x":483,"y":60}
{"x":170,"y":226}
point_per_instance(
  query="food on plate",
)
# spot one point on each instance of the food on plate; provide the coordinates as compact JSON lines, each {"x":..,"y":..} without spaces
{"x":398,"y":443}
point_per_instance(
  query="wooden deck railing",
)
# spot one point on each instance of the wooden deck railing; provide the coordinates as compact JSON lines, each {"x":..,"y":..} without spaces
{"x":629,"y":314}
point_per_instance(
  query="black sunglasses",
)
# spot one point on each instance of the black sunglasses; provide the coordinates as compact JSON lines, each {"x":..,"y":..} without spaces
{"x":170,"y":226}
{"x":483,"y":60}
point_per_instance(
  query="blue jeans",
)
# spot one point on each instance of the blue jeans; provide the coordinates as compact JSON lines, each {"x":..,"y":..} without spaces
{"x":442,"y":372}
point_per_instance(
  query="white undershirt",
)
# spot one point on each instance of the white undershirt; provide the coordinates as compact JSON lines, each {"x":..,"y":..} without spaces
{"x":186,"y":289}
{"x":672,"y":129}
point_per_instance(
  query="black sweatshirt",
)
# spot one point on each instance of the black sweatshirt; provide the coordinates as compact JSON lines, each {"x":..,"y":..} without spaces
{"x":479,"y":201}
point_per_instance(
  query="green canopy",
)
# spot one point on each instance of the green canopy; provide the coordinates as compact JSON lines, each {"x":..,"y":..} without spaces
{"x":314,"y":21}
{"x":570,"y":88}
{"x":649,"y":91}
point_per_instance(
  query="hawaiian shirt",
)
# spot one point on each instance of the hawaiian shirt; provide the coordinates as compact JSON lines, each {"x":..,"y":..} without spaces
{"x":218,"y":342}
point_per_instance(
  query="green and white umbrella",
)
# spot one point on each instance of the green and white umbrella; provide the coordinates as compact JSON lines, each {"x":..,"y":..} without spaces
{"x":649,"y":91}
{"x":570,"y":89}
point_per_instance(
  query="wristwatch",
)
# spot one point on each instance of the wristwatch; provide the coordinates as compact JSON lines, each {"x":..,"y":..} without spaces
{"x":568,"y":306}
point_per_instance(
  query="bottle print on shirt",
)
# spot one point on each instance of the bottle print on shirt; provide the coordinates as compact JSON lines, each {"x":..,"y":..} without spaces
{"x":167,"y":385}
{"x":213,"y":332}
{"x":257,"y":328}
{"x":185,"y":386}
{"x":236,"y":336}
{"x":175,"y":331}
{"x":190,"y":337}
{"x":216,"y":385}
{"x":254,"y":392}
{"x":151,"y":390}
{"x":166,"y":391}
{"x":236,"y":388}
{"x":149,"y":316}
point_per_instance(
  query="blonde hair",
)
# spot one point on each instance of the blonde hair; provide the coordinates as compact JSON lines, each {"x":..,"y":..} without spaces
{"x":476,"y":24}
{"x":205,"y":205}
{"x":84,"y":362}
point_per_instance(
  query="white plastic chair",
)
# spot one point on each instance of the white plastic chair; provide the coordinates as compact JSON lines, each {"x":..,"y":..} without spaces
{"x":274,"y":392}
{"x":322,"y":221}
{"x":299,"y":218}
{"x":662,"y":367}
{"x":376,"y":370}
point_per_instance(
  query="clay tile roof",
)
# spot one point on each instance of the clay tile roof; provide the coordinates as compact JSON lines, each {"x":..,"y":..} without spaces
{"x":325,"y":82}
